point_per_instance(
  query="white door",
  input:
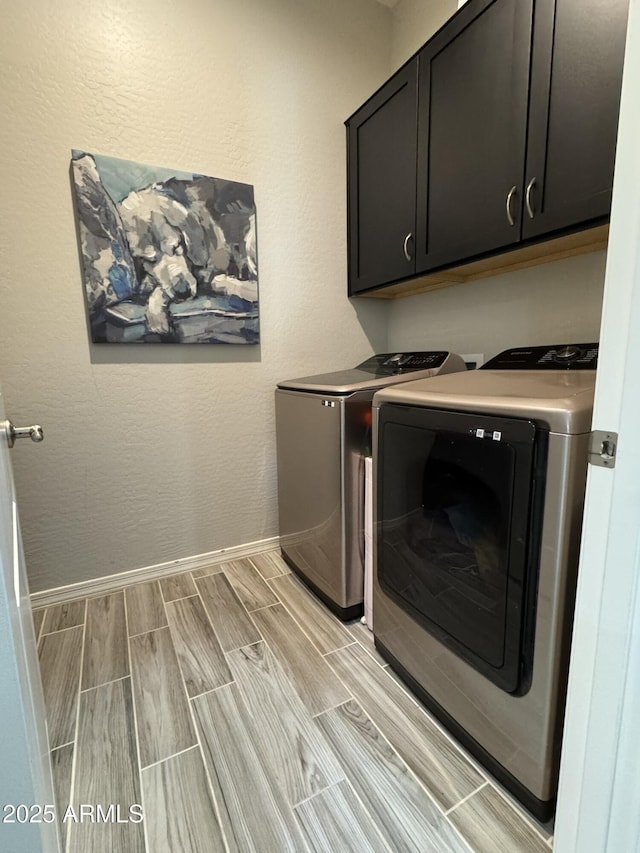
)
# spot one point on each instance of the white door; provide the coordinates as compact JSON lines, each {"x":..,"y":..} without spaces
{"x":25,"y":768}
{"x":599,"y":795}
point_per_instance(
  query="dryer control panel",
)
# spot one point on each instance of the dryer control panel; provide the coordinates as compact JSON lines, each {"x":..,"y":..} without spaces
{"x":555,"y":357}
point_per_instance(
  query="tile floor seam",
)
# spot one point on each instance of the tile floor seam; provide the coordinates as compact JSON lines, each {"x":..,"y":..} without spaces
{"x":366,"y":811}
{"x":215,"y":634}
{"x":378,"y":724}
{"x":44,"y":616}
{"x":145,"y":767}
{"x":216,"y":806}
{"x":334,"y":707}
{"x":249,"y":612}
{"x":208,"y":622}
{"x":261,"y":758}
{"x":135,"y":725}
{"x":322,"y":656}
{"x":196,"y":577}
{"x":266,"y":580}
{"x":237,"y":648}
{"x":464,"y":799}
{"x":276,"y":551}
{"x":150,"y":631}
{"x":110,"y":592}
{"x":439,"y":809}
{"x":458,"y":834}
{"x":59,"y":630}
{"x":271,"y":580}
{"x":482,"y":771}
{"x":311,"y":718}
{"x":261,"y":580}
{"x":430,"y":795}
{"x":181,"y":598}
{"x":300,"y":625}
{"x":104,"y":683}
{"x":273,"y":782}
{"x":382,"y":665}
{"x":265,"y":607}
{"x":74,"y":763}
{"x":194,"y":722}
{"x":518,"y":809}
{"x":363,"y":646}
{"x":315,"y":793}
{"x":213,"y":689}
{"x":173,"y":646}
{"x":242,"y":604}
{"x":346,"y":775}
{"x":62,"y":746}
{"x":346,"y":646}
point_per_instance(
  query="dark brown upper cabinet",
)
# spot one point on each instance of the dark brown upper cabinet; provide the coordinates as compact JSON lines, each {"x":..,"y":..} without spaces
{"x":381,"y":164}
{"x":500,"y":133}
{"x":472,"y":119}
{"x":576,"y":75}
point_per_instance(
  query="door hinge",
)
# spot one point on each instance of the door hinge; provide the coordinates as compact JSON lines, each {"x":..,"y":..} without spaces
{"x":602,"y":448}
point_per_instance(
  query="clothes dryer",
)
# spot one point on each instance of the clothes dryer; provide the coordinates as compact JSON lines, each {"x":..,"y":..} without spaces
{"x":480,"y":481}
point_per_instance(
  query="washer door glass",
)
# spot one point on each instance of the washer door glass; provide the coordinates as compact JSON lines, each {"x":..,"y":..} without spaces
{"x":454,"y":513}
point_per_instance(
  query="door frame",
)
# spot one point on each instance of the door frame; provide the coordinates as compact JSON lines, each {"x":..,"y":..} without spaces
{"x":599,"y":793}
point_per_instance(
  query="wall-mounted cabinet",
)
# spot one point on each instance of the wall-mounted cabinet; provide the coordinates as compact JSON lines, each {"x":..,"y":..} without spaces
{"x":511,"y":129}
{"x":474,"y":81}
{"x":576,"y":76}
{"x":381,"y":165}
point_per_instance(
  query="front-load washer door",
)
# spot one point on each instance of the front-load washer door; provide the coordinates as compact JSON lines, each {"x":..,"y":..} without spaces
{"x":456,"y":532}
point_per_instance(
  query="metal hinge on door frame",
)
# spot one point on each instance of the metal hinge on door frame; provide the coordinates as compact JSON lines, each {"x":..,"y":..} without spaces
{"x":602,"y":448}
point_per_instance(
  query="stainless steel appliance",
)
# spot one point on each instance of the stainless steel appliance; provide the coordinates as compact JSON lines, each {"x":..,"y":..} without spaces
{"x":323,"y":431}
{"x":480,"y":481}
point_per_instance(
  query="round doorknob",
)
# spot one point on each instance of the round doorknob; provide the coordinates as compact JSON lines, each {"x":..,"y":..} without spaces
{"x":34,"y":432}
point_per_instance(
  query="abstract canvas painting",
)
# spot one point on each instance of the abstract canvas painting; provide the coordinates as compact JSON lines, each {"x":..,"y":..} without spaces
{"x":167,"y":256}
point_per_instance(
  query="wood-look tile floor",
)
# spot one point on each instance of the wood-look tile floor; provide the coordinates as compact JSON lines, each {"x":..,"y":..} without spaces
{"x":242,"y":716}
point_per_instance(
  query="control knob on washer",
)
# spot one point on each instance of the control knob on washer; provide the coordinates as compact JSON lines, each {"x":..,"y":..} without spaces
{"x":567,"y":353}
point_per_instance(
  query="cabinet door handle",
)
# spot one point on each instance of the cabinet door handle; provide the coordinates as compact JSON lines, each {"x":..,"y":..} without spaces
{"x":510,"y":195}
{"x":527,"y":197}
{"x":405,"y":247}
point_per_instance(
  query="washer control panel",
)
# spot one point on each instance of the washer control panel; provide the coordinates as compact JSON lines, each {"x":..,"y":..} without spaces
{"x":397,"y":362}
{"x":556,"y":357}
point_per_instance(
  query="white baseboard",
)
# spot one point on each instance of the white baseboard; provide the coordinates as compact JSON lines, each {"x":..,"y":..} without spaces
{"x":109,"y":583}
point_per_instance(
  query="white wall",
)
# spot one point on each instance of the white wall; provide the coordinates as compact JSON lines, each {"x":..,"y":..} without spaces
{"x":156,"y":453}
{"x":546,"y":304}
{"x":553,"y":303}
{"x":413,"y":23}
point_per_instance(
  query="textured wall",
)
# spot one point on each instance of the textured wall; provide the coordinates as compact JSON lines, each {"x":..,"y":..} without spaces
{"x":155,"y":453}
{"x":553,"y":303}
{"x":546,"y":304}
{"x":413,"y":23}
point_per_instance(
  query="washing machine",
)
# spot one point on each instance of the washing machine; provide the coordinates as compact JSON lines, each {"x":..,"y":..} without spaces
{"x":479,"y":491}
{"x":323,"y":434}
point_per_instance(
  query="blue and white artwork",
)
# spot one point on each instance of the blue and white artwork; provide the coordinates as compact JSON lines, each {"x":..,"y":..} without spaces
{"x":168,"y":256}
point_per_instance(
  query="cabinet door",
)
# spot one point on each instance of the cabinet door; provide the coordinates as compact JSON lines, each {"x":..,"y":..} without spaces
{"x":472,"y":114}
{"x":576,"y":75}
{"x":381,"y":151}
